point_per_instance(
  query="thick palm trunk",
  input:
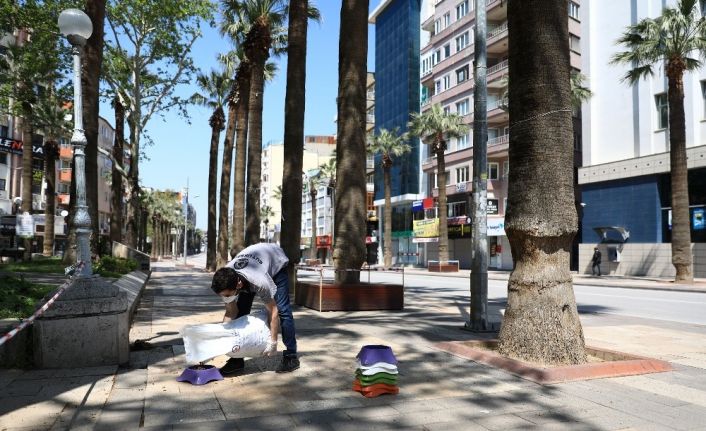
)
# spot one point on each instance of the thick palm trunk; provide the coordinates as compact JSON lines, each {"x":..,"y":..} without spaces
{"x":212,"y":178}
{"x":133,"y":182}
{"x":50,"y":153}
{"x":294,"y":104}
{"x":312,"y":241}
{"x":387,"y":243}
{"x":90,"y":76}
{"x":443,"y":209}
{"x":241,"y":148}
{"x":541,"y":323}
{"x":226,"y":163}
{"x":116,"y":200}
{"x":252,"y":209}
{"x":681,"y":227}
{"x":351,"y":209}
{"x":155,"y":234}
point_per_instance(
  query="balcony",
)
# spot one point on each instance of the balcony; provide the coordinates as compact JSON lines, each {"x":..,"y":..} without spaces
{"x":66,"y":152}
{"x":497,"y":40}
{"x":65,"y":175}
{"x":502,"y":139}
{"x":63,"y":199}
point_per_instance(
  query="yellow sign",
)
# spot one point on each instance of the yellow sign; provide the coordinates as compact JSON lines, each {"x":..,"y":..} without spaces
{"x":428,"y":228}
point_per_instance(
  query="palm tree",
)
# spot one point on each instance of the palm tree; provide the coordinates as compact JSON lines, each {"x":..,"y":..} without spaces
{"x":116,"y":185}
{"x":265,"y":214}
{"x":294,"y":104}
{"x":672,"y":40}
{"x":265,"y":19}
{"x":351,"y":207}
{"x":435,"y":127}
{"x":541,"y":323}
{"x":389,"y":144}
{"x":313,"y":188}
{"x":51,"y":118}
{"x":214,"y":87}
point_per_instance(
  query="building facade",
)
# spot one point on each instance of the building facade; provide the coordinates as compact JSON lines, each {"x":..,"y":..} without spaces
{"x":625,"y":181}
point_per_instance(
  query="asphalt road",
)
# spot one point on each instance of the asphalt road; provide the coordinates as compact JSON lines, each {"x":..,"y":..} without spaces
{"x":671,"y":306}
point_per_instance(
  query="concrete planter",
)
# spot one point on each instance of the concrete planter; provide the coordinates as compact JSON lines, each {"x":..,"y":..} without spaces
{"x":352,"y":297}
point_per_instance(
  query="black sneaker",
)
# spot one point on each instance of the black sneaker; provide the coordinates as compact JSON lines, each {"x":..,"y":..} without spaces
{"x":288,"y":364}
{"x":233,"y":366}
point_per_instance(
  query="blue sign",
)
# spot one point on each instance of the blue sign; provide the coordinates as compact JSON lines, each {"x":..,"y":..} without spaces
{"x":698,"y":219}
{"x":417,"y":206}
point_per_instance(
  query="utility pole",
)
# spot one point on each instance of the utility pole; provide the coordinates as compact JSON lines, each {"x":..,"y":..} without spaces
{"x":479,"y":266}
{"x":186,"y":215}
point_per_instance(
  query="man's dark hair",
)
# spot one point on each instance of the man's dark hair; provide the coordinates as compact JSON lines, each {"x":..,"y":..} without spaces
{"x":227,"y":278}
{"x":224,"y":278}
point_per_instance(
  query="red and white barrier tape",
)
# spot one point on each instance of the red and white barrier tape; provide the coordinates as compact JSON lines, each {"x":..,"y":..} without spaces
{"x":39,"y":311}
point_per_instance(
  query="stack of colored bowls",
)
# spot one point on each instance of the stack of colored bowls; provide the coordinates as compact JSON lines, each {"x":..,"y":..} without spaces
{"x":377,"y":371}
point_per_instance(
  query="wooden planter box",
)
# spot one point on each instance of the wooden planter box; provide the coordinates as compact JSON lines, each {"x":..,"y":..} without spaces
{"x":436,"y":266}
{"x":350,"y":297}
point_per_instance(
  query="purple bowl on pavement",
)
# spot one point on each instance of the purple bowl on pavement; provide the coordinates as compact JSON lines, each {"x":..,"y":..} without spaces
{"x":374,"y":353}
{"x":200,"y":377}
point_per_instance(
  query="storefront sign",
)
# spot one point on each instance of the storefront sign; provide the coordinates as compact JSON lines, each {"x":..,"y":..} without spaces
{"x":428,"y":203}
{"x":422,"y":240}
{"x":371,"y":239}
{"x":460,"y":187}
{"x":453,"y":221}
{"x":426,"y":228}
{"x":323,"y":241}
{"x":492,"y":208}
{"x":698,"y":219}
{"x":417,"y":206}
{"x":25,"y":225}
{"x":402,"y":233}
{"x":13,"y":146}
{"x":496,"y":226}
{"x":460,"y":231}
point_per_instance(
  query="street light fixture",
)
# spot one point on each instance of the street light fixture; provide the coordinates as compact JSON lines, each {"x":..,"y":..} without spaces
{"x":77,"y":27}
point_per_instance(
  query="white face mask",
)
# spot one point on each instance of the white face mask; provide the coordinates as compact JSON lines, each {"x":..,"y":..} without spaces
{"x":229,"y":299}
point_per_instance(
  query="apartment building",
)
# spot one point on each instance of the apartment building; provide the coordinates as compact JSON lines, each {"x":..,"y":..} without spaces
{"x":625,"y":184}
{"x":446,"y":75}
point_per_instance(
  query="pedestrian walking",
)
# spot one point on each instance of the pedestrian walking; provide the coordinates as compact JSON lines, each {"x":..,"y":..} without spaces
{"x":259,"y":270}
{"x":596,"y":262}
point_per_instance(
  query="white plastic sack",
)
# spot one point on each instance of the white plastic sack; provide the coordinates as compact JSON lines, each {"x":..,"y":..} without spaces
{"x":246,"y":336}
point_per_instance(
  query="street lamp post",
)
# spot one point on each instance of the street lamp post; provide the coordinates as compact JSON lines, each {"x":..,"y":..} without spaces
{"x":77,"y":27}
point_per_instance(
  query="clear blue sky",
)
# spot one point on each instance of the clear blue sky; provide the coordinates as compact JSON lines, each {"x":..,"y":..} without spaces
{"x":181,"y":150}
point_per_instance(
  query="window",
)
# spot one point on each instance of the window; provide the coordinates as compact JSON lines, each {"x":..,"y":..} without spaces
{"x":447,"y":82}
{"x":462,"y":142}
{"x":703,"y":7}
{"x":437,"y":57}
{"x":462,"y":74}
{"x":462,"y":107}
{"x":456,"y":209}
{"x":493,"y":171}
{"x":447,"y":50}
{"x":3,"y":158}
{"x":437,"y":87}
{"x":437,"y":26}
{"x":64,"y":188}
{"x":447,"y":109}
{"x":575,"y":43}
{"x":574,"y":10}
{"x":662,"y":111}
{"x":4,"y":131}
{"x":461,"y":9}
{"x":462,"y":41}
{"x":65,"y":164}
{"x":2,"y":183}
{"x":703,"y":98}
{"x":462,"y":175}
{"x":447,"y":19}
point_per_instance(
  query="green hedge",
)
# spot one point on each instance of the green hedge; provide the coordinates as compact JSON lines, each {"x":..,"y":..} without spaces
{"x":18,"y":297}
{"x":109,"y":266}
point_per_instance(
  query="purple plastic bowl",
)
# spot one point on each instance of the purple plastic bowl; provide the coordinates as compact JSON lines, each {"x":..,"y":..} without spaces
{"x":200,"y":377}
{"x":374,"y":353}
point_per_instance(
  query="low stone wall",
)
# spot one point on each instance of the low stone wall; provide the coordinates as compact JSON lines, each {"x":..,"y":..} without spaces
{"x":647,"y":260}
{"x":133,"y":284}
{"x":125,"y":252}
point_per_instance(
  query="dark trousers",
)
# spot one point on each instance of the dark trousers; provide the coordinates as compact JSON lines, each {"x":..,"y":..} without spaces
{"x":594,"y":266}
{"x":286,"y":320}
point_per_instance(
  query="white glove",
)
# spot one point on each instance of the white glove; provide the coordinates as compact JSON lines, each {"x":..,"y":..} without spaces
{"x":271,"y":348}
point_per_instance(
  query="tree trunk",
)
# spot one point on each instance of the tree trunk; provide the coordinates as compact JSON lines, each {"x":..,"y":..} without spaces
{"x":252,"y":208}
{"x":312,"y":194}
{"x":443,"y":208}
{"x":90,"y":77}
{"x":133,"y":181}
{"x":70,"y":256}
{"x":27,"y":175}
{"x":212,"y":178}
{"x":242,"y":110}
{"x":681,"y":226}
{"x":222,"y":254}
{"x":387,"y":241}
{"x":351,"y":193}
{"x":51,"y":151}
{"x":116,"y":200}
{"x":294,"y":104}
{"x":541,"y":323}
{"x":153,"y":251}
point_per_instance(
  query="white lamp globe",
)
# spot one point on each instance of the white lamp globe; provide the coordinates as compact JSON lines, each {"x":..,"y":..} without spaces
{"x":75,"y":25}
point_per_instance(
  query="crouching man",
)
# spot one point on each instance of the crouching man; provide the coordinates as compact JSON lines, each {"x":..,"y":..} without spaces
{"x":259,"y":270}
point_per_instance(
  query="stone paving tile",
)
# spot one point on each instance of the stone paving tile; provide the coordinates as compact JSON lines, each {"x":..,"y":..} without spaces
{"x":503,"y":422}
{"x":175,"y":416}
{"x":618,"y":421}
{"x":127,"y":379}
{"x":664,"y":392}
{"x":7,"y":376}
{"x":84,"y":405}
{"x":455,"y":426}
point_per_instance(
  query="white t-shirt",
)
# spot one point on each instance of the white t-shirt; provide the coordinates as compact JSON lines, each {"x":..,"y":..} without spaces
{"x":258,"y":264}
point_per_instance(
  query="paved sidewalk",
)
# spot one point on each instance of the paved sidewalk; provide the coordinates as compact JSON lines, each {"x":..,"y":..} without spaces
{"x":438,"y":391}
